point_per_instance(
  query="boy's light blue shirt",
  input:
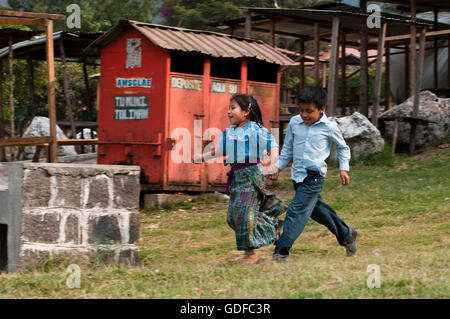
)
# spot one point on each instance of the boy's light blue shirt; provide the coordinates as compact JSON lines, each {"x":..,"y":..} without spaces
{"x":309,"y":146}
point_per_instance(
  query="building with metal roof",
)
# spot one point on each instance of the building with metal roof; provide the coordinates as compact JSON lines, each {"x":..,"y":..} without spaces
{"x":205,"y":42}
{"x":74,"y":44}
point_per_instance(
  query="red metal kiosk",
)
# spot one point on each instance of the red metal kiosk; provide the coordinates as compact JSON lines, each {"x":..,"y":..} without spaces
{"x":159,"y":83}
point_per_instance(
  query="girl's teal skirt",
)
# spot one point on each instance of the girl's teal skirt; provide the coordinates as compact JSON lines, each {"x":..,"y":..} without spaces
{"x":252,"y":210}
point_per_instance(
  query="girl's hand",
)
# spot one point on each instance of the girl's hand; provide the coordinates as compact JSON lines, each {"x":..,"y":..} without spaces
{"x":345,"y":179}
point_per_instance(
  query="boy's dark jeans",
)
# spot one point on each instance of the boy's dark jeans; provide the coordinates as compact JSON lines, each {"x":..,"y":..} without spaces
{"x":306,"y":203}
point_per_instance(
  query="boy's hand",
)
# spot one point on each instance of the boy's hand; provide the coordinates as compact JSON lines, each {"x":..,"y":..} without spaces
{"x":345,"y":179}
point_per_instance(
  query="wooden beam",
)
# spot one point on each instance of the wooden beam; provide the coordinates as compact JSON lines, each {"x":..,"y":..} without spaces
{"x":420,"y":67}
{"x":88,"y":94}
{"x":53,"y":149}
{"x":50,"y":16}
{"x":19,"y":21}
{"x":435,"y":51}
{"x":343,"y":67}
{"x":272,"y":33}
{"x":26,"y":141}
{"x":406,"y":73}
{"x":248,"y":24}
{"x":316,"y":53}
{"x":412,"y":141}
{"x":67,"y":142}
{"x":448,"y":64}
{"x":332,"y":77}
{"x":30,"y":72}
{"x":11,"y":89}
{"x":387,"y":74}
{"x":412,"y":48}
{"x":379,"y":69}
{"x":409,"y":36}
{"x":363,"y":66}
{"x":301,"y":51}
{"x":395,"y":135}
{"x":66,"y":88}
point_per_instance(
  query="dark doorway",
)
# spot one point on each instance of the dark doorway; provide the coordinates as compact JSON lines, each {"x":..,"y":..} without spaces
{"x":3,"y":247}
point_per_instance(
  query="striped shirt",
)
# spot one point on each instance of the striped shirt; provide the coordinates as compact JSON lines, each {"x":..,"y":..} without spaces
{"x":246,"y":144}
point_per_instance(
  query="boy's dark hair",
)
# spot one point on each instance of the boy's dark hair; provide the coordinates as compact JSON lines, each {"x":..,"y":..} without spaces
{"x":246,"y":102}
{"x":313,"y":94}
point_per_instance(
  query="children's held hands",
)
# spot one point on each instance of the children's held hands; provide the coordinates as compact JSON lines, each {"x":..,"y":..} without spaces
{"x":345,"y":179}
{"x":275,"y":175}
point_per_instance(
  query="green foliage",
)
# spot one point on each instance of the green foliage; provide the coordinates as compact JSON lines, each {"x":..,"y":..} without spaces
{"x":200,"y":14}
{"x":95,"y":15}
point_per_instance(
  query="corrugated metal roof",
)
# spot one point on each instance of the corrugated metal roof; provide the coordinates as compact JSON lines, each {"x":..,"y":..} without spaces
{"x":74,"y":42}
{"x":209,"y":43}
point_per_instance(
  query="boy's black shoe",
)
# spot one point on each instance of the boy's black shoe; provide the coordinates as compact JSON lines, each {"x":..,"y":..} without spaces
{"x":277,"y":257}
{"x":350,"y":247}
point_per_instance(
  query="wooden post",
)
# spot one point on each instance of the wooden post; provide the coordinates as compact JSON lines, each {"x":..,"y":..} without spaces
{"x":11,"y":87}
{"x":302,"y":64}
{"x":324,"y":75}
{"x":343,"y":67}
{"x":395,"y":135}
{"x":2,"y":126}
{"x":363,"y":75}
{"x":407,"y":92}
{"x":332,"y":77}
{"x":412,"y":55}
{"x":30,"y":73}
{"x":448,"y":64}
{"x":11,"y":97}
{"x":316,"y":53}
{"x":435,"y":51}
{"x":88,"y":94}
{"x":53,"y":147}
{"x":387,"y":74}
{"x":272,"y":33}
{"x":248,"y":24}
{"x":66,"y":88}
{"x":412,"y":142}
{"x":379,"y":69}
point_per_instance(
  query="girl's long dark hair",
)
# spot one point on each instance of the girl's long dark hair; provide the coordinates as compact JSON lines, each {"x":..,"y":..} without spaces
{"x":246,"y":102}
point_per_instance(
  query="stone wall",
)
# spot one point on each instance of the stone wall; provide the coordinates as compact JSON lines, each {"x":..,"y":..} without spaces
{"x":79,"y":211}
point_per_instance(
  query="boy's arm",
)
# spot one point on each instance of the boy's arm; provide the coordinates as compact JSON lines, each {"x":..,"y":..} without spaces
{"x":343,"y":154}
{"x":287,"y":150}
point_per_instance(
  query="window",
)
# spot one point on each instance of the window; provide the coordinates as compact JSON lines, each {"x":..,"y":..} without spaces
{"x":260,"y":71}
{"x":186,"y":62}
{"x":227,"y":68}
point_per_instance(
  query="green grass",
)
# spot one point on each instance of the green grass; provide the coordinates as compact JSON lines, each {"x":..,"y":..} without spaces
{"x":400,"y":206}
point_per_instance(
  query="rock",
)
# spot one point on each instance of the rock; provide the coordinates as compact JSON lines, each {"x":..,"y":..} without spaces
{"x":360,"y":134}
{"x":40,"y":126}
{"x":87,"y":135}
{"x":431,"y":108}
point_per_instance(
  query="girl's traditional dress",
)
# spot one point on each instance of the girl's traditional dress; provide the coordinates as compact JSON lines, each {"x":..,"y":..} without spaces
{"x":252,"y":210}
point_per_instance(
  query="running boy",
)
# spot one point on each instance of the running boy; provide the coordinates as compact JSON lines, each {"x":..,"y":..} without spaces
{"x":307,"y":143}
